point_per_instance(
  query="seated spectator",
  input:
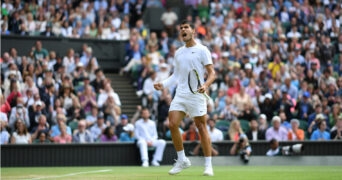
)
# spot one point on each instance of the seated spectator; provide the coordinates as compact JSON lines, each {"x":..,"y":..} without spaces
{"x":81,"y":134}
{"x":320,"y":133}
{"x":191,"y":134}
{"x":123,"y":122}
{"x":336,"y":131}
{"x":108,"y":91}
{"x":128,"y":134}
{"x":275,"y":149}
{"x":242,"y":148}
{"x":314,"y":124}
{"x":21,"y":134}
{"x":283,"y":120}
{"x":19,"y":111}
{"x":109,"y":135}
{"x":55,"y":130}
{"x":254,"y":133}
{"x":91,"y":118}
{"x":37,"y":109}
{"x":63,"y":137}
{"x":4,"y":135}
{"x":41,"y":126}
{"x":112,"y":111}
{"x":147,"y":136}
{"x":88,"y":100}
{"x":235,"y":131}
{"x":295,"y":133}
{"x":41,"y":138}
{"x":276,"y":131}
{"x":98,"y":128}
{"x":98,"y":82}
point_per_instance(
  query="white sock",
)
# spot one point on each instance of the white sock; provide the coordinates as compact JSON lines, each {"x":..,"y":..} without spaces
{"x":181,"y":155}
{"x":207,"y":161}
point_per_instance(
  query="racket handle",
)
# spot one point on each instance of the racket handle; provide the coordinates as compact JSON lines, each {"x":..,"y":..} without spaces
{"x":206,"y":95}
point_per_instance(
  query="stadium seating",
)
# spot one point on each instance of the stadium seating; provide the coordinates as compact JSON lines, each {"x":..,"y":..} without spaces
{"x":244,"y":125}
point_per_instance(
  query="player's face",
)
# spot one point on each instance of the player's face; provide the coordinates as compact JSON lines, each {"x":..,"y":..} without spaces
{"x":186,"y":32}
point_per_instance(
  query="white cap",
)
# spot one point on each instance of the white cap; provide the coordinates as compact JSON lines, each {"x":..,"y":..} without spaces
{"x":268,"y":95}
{"x":248,"y":66}
{"x":225,"y":54}
{"x":263,"y":116}
{"x":129,"y":127}
{"x":79,"y":64}
{"x":38,"y":103}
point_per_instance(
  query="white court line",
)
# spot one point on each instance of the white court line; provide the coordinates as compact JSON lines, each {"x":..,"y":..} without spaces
{"x":73,"y":174}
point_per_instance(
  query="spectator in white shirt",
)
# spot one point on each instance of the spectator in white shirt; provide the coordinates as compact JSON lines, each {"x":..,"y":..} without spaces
{"x":147,"y":136}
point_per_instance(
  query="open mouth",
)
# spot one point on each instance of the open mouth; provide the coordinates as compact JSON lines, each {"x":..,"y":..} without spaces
{"x":184,"y":35}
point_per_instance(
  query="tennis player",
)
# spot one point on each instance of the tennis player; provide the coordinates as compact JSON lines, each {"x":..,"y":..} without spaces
{"x":192,"y":55}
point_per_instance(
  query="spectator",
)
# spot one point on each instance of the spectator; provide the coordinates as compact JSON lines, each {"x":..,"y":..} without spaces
{"x":34,"y":112}
{"x":42,"y":138}
{"x":235,"y":131}
{"x":276,"y":131}
{"x":169,"y":19}
{"x":41,"y":126}
{"x":21,"y":135}
{"x":19,"y":112}
{"x":109,"y":135}
{"x":304,"y":107}
{"x":98,"y":128}
{"x":88,"y":100}
{"x":64,"y":137}
{"x":254,"y":133}
{"x":147,"y":136}
{"x":123,"y":122}
{"x":242,"y":148}
{"x":275,"y":149}
{"x":5,"y":136}
{"x":128,"y":134}
{"x":336,"y":131}
{"x":295,"y":133}
{"x":81,"y":134}
{"x":320,"y":133}
{"x":91,"y":118}
{"x":55,"y":129}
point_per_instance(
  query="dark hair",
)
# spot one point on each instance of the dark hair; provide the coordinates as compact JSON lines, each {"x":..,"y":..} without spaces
{"x":272,"y":141}
{"x":189,"y":23}
{"x":106,"y":132}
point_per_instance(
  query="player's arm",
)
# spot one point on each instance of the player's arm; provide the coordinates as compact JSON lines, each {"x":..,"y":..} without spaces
{"x":167,"y":82}
{"x":211,"y":78}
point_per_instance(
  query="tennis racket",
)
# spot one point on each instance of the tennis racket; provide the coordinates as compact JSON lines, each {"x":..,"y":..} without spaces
{"x":195,"y":83}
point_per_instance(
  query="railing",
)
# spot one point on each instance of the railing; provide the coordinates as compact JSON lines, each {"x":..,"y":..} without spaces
{"x":120,"y":154}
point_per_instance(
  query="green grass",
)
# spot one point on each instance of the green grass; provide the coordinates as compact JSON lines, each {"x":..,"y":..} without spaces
{"x":159,"y":173}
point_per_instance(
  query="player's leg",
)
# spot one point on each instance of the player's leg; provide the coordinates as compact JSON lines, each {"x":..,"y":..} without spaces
{"x":201,"y":125}
{"x":175,"y":117}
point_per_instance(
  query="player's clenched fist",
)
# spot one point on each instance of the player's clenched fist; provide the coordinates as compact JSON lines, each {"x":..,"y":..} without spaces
{"x":158,"y":86}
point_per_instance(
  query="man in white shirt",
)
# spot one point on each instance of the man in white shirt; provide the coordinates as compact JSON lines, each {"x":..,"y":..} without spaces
{"x":169,"y":18}
{"x":147,"y":136}
{"x":192,"y":55}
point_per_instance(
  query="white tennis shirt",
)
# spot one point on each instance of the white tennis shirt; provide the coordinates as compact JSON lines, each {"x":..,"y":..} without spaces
{"x":186,"y":59}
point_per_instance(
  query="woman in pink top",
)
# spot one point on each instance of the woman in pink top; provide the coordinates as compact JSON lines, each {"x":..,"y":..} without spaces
{"x":64,"y":137}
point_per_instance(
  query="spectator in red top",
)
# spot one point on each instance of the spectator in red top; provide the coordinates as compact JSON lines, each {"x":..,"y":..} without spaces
{"x":242,"y":9}
{"x":234,"y":87}
{"x":4,"y":105}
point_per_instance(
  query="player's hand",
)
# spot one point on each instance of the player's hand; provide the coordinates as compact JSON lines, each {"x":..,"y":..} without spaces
{"x":158,"y":86}
{"x":202,"y":89}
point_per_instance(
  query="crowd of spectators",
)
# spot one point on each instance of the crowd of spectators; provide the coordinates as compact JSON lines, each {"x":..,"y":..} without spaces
{"x":278,"y":65}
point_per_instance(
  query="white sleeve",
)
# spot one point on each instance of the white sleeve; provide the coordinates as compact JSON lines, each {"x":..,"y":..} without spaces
{"x":173,"y":79}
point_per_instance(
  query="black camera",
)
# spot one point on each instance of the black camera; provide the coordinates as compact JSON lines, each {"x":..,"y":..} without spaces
{"x":243,"y":156}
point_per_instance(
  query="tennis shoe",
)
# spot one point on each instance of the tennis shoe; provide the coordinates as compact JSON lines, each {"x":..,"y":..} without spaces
{"x":155,"y":163}
{"x":145,"y":164}
{"x":208,"y":171}
{"x":179,"y":166}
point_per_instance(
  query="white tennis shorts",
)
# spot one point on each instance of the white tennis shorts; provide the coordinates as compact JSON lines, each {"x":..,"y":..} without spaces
{"x":192,"y":104}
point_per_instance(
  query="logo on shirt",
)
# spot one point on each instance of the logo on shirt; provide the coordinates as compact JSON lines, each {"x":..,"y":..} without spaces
{"x":192,"y":52}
